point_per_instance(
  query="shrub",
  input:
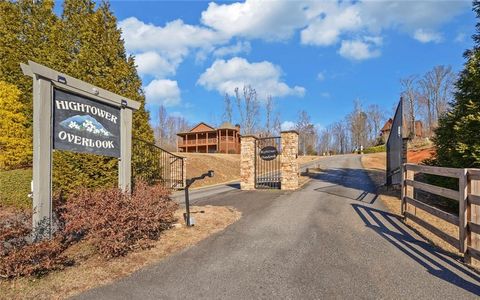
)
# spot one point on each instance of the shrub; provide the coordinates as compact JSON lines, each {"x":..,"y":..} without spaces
{"x":15,"y":141}
{"x":375,"y":149}
{"x":114,"y":223}
{"x":15,"y":187}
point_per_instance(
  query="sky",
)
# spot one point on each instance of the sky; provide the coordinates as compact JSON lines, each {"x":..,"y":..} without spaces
{"x":317,"y":56}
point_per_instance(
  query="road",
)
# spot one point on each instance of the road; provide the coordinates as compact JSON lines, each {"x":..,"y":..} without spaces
{"x":331,"y":239}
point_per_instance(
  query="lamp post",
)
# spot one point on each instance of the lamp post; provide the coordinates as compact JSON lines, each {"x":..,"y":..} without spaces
{"x":189,"y":182}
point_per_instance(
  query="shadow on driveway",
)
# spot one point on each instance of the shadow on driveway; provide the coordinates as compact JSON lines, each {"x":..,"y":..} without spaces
{"x":434,"y":260}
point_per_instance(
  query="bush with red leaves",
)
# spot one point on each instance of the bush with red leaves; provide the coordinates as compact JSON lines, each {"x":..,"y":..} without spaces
{"x":113,"y":222}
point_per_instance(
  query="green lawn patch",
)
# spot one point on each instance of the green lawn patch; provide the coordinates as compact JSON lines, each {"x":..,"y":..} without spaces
{"x":14,"y":188}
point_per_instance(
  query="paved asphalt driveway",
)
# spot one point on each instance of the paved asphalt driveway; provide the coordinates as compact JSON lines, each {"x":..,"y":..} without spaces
{"x":331,"y":239}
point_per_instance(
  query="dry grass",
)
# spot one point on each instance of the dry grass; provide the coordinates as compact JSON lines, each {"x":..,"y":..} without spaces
{"x":375,"y":165}
{"x":94,"y":271}
{"x":226,"y":167}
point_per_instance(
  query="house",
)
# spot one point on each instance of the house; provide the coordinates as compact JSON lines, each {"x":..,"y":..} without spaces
{"x":203,"y":138}
{"x":385,"y":131}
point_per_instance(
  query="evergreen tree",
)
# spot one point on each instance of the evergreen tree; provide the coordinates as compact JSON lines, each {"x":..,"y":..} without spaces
{"x":458,"y":134}
{"x":15,"y":142}
{"x":85,"y":43}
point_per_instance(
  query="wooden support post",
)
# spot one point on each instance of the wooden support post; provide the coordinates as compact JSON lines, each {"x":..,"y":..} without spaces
{"x":125,"y":161}
{"x":463,"y":211}
{"x":42,"y":158}
{"x":474,"y":217}
{"x":409,"y":190}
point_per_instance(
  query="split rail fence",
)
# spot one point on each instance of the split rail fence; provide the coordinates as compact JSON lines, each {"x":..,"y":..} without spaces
{"x":468,"y":197}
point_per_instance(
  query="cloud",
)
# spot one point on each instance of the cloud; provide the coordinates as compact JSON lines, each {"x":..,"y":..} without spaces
{"x":358,"y":50}
{"x":239,"y":47}
{"x":226,"y":75}
{"x":327,"y":28}
{"x":166,"y":46}
{"x":426,"y":36}
{"x":151,"y":63}
{"x":460,"y":37}
{"x":269,"y":20}
{"x":163,"y":92}
{"x":287,"y":125}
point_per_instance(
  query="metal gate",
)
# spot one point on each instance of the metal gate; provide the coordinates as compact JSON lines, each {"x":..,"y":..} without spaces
{"x":267,"y":163}
{"x":396,"y":148}
{"x":156,"y":165}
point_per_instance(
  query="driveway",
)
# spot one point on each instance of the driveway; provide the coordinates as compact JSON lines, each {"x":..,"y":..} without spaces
{"x":331,"y":239}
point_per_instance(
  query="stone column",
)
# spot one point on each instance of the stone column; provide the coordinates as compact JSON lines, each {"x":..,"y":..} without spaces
{"x":247,"y":163}
{"x":288,"y":160}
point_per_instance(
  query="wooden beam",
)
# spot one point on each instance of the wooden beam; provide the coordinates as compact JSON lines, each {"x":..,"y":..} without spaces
{"x":448,"y":172}
{"x":474,"y":227}
{"x":433,"y":211}
{"x":474,"y":199}
{"x":473,"y":253}
{"x":440,"y":191}
{"x":474,"y":174}
{"x":447,"y":238}
{"x":463,"y":211}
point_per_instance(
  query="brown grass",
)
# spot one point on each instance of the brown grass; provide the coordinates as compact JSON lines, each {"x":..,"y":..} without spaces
{"x":375,"y":165}
{"x":95,"y":270}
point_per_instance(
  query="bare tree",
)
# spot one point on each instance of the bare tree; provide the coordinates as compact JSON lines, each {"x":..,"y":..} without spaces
{"x":357,"y":120}
{"x":375,"y":117}
{"x":268,"y":115}
{"x":410,"y":95}
{"x":437,"y":87}
{"x":161,"y":124}
{"x":307,"y":133}
{"x":228,"y":113}
{"x":339,"y":137}
{"x":324,"y":145}
{"x":277,"y":125}
{"x":248,"y":108}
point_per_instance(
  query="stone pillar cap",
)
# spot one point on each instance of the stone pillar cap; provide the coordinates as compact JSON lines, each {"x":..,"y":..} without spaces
{"x":289,"y":131}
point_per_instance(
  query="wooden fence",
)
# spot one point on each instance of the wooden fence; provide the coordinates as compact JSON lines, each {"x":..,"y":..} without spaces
{"x":468,"y":196}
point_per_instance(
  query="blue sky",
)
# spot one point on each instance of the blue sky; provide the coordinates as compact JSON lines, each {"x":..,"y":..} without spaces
{"x":312,"y":55}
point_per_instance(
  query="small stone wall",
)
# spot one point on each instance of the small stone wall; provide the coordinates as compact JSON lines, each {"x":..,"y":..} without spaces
{"x":289,"y":160}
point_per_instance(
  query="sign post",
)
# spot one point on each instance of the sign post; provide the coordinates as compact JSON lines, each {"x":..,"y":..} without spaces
{"x":73,"y":115}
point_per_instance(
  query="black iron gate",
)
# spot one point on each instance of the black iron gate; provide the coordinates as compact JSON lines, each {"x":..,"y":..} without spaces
{"x":267,"y":163}
{"x":156,"y":165}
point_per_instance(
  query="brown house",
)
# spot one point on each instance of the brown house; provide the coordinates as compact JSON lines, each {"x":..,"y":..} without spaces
{"x":204,"y":138}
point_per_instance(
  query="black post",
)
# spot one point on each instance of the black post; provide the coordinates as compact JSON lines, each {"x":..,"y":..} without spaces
{"x":187,"y":205}
{"x":188,"y":183}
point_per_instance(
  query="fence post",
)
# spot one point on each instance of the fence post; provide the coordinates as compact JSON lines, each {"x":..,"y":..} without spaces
{"x":463,"y":211}
{"x":403,"y":190}
{"x":408,"y":192}
{"x":474,"y":217}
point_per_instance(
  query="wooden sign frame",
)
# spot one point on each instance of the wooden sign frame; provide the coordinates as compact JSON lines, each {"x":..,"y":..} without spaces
{"x":44,"y":81}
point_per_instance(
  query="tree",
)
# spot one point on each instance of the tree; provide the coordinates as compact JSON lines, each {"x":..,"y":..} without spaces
{"x":375,"y":117}
{"x":458,"y":134}
{"x":15,"y":144}
{"x":358,"y":125}
{"x":410,"y":95}
{"x":228,"y":113}
{"x":249,"y":109}
{"x":307,"y":133}
{"x":437,"y":86}
{"x":268,"y":116}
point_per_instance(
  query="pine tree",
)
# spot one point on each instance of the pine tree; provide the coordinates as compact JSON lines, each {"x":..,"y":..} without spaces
{"x":93,"y":43}
{"x":458,"y":134}
{"x":15,"y":142}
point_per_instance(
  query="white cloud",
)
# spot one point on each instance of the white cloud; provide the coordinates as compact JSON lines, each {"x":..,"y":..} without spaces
{"x":167,"y":46}
{"x":269,"y":20}
{"x":358,"y":50}
{"x":239,"y":47}
{"x":226,"y":75}
{"x":151,"y":63}
{"x":162,"y":92}
{"x":327,"y":28}
{"x":287,"y":125}
{"x":325,"y":94}
{"x":427,"y":36}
